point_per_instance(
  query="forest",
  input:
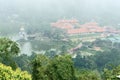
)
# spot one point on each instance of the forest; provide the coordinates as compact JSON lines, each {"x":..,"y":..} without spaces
{"x":103,"y":65}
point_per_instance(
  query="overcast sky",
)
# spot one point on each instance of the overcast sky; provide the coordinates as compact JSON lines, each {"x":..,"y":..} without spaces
{"x":61,"y":4}
{"x":63,"y":7}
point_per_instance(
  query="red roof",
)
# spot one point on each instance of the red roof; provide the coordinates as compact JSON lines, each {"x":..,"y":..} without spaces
{"x":85,"y":28}
{"x":76,"y":31}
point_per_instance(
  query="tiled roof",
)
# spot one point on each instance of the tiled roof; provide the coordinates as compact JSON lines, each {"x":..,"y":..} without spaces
{"x":77,"y":31}
{"x":85,"y":28}
{"x":65,"y":24}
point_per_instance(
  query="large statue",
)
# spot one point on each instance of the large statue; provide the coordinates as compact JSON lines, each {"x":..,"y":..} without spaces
{"x":23,"y":34}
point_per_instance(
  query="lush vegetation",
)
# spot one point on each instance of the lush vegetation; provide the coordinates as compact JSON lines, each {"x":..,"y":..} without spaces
{"x":6,"y":73}
{"x":57,"y":68}
{"x":102,"y":65}
{"x":8,"y":50}
{"x":56,"y":55}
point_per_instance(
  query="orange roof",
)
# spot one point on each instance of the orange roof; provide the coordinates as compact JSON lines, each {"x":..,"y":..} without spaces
{"x":90,"y":24}
{"x":85,"y":28}
{"x":76,"y":31}
{"x":64,"y":24}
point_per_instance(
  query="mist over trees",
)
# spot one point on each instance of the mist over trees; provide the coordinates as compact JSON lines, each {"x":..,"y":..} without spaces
{"x":55,"y":54}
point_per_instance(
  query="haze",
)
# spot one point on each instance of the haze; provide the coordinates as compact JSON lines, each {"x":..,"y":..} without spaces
{"x":36,"y":11}
{"x":62,"y":7}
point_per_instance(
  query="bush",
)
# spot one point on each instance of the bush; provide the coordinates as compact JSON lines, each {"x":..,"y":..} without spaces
{"x":6,"y":73}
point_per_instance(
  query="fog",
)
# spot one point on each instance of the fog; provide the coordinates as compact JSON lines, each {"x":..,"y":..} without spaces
{"x":62,"y":7}
{"x":32,"y":13}
{"x":80,"y":35}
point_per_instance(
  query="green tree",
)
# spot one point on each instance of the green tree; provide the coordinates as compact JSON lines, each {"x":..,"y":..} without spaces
{"x":103,"y":59}
{"x":61,"y":68}
{"x":6,"y":73}
{"x":84,"y":62}
{"x":39,"y":68}
{"x":88,"y":75}
{"x":51,"y":53}
{"x":8,"y":49}
{"x":24,"y":62}
{"x":56,"y":68}
{"x":112,"y":74}
{"x":63,"y":49}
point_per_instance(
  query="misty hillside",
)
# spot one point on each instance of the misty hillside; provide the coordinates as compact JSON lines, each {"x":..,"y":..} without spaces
{"x":30,"y":13}
{"x":59,"y":40}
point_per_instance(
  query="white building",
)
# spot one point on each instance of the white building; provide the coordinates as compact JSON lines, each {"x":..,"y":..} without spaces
{"x":23,"y":34}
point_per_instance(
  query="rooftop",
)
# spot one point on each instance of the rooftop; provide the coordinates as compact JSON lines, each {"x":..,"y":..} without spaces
{"x":90,"y":27}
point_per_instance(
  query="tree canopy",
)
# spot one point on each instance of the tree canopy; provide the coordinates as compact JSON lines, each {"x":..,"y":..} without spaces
{"x":57,"y":68}
{"x":8,"y":49}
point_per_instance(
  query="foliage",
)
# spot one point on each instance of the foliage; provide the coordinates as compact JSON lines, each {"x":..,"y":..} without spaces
{"x":51,"y":53}
{"x":6,"y":73}
{"x":112,"y":74}
{"x":8,"y":49}
{"x":88,"y":75}
{"x":39,"y":67}
{"x":54,"y":67}
{"x":55,"y":34}
{"x":24,"y":62}
{"x":105,"y":58}
{"x":57,"y":68}
{"x":61,"y":68}
{"x":84,"y":62}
